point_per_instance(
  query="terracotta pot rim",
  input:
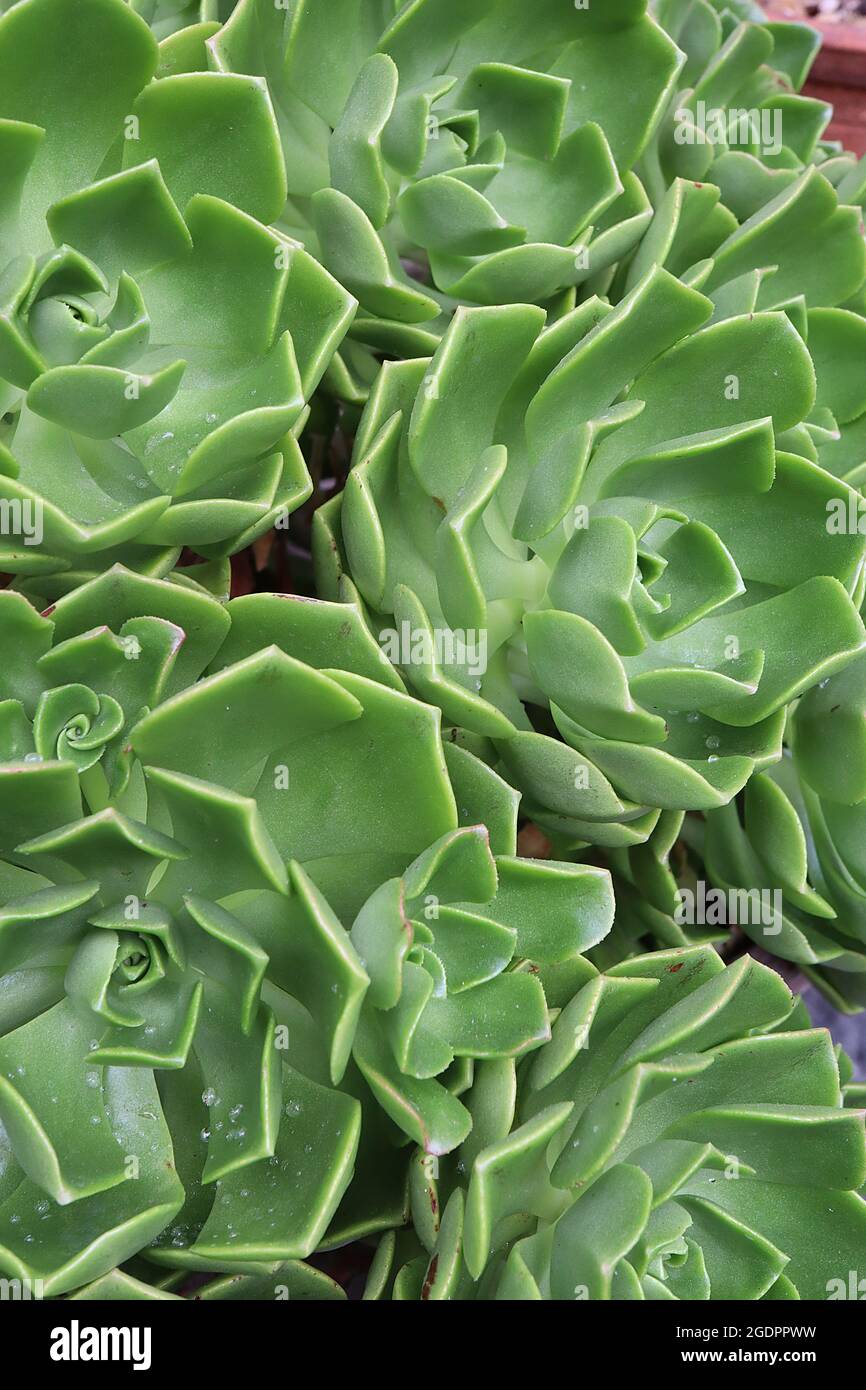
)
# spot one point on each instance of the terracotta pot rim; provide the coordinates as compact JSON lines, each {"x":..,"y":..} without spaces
{"x":837,"y":37}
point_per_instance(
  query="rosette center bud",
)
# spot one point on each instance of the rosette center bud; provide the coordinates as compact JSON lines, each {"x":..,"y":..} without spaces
{"x":75,"y":723}
{"x":134,"y":960}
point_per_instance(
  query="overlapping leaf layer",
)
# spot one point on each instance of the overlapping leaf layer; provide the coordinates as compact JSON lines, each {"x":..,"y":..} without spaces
{"x":800,"y":835}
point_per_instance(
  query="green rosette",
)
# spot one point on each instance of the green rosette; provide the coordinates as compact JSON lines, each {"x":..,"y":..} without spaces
{"x":601,"y":549}
{"x":258,"y":929}
{"x":479,"y":153}
{"x":684,"y":1135}
{"x":159,"y":341}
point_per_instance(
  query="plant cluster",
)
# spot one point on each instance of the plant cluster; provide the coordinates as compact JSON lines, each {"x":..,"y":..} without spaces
{"x":375,"y":922}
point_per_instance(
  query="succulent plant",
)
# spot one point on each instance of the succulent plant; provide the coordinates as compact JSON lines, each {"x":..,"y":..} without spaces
{"x":479,"y":153}
{"x":617,"y":560}
{"x":254,"y":937}
{"x":453,"y":152}
{"x":793,"y":835}
{"x":786,"y":851}
{"x":682,"y":1135}
{"x":473,"y":140}
{"x":159,"y":341}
